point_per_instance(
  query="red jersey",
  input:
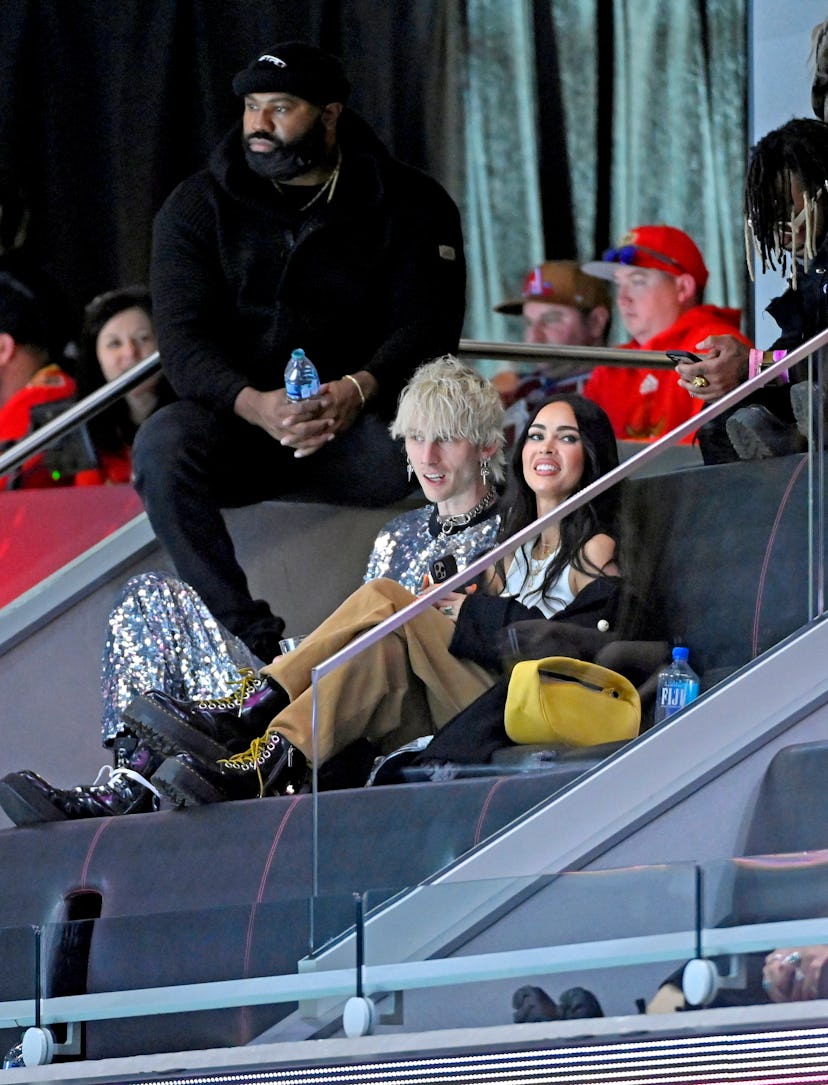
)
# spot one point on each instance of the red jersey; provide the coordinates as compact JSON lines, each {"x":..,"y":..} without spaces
{"x":47,"y":385}
{"x":114,"y":467}
{"x":644,"y":404}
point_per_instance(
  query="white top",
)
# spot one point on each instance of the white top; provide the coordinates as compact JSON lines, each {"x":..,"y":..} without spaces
{"x":525,"y":577}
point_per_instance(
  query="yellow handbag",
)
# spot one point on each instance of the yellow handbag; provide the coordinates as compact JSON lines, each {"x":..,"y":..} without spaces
{"x":570,"y":702}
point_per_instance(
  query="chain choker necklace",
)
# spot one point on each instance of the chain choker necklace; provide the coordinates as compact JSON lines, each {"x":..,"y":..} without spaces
{"x":450,"y":524}
{"x":328,"y":186}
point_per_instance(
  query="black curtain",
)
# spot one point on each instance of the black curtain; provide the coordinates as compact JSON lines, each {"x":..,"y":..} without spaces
{"x":105,"y":107}
{"x":554,"y":175}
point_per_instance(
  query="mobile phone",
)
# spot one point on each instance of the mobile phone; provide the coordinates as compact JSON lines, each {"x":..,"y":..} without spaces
{"x":683,"y":356}
{"x":442,"y":568}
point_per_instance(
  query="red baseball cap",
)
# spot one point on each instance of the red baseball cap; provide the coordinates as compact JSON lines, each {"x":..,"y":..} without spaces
{"x":661,"y":247}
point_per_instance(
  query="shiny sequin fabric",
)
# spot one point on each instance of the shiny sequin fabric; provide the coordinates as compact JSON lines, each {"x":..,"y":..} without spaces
{"x":408,"y":544}
{"x":160,"y":635}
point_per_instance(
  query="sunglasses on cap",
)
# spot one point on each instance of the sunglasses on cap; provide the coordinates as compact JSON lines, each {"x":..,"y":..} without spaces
{"x":626,"y":255}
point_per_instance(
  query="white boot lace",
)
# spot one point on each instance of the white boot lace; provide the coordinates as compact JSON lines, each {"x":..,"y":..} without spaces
{"x":109,"y":777}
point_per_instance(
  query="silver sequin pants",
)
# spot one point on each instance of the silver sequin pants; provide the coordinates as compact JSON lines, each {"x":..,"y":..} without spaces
{"x":160,"y":635}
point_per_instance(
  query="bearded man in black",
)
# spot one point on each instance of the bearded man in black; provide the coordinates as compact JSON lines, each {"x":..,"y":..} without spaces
{"x":302,"y":232}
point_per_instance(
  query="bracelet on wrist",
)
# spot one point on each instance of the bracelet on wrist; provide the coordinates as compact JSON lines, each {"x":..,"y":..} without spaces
{"x":350,"y":377}
{"x":761,"y":359}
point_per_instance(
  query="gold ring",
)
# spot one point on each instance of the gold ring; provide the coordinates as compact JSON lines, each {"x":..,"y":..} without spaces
{"x":699,"y":381}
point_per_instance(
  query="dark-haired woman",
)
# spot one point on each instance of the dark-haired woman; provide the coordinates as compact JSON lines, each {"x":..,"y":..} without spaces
{"x":117,"y":334}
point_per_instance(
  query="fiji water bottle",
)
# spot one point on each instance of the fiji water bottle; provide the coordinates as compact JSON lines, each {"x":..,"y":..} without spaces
{"x":678,"y":685}
{"x":301,"y":378}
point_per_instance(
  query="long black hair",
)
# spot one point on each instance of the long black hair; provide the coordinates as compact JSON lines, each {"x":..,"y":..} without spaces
{"x":599,"y":515}
{"x":798,"y":148}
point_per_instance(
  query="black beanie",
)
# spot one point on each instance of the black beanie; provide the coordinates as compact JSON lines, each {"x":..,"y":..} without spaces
{"x":298,"y":69}
{"x":21,"y":313}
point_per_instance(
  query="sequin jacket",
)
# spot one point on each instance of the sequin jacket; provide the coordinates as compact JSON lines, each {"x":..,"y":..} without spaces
{"x":408,"y":544}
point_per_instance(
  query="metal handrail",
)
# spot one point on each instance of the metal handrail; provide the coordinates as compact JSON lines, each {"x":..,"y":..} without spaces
{"x":103,"y":397}
{"x":87,"y":408}
{"x":545,"y":352}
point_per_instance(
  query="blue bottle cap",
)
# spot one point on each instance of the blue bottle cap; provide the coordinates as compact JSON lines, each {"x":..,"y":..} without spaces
{"x":298,"y":353}
{"x":681,"y":654}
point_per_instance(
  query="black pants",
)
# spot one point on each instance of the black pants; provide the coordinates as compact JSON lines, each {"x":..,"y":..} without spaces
{"x":190,"y":462}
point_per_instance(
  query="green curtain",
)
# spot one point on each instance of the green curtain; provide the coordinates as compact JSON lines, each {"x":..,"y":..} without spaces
{"x":501,"y":199}
{"x":676,"y":83}
{"x":679,"y":129}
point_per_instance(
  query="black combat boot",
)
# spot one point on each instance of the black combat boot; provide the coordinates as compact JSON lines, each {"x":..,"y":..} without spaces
{"x":28,"y":799}
{"x":209,"y":729}
{"x":269,"y":766}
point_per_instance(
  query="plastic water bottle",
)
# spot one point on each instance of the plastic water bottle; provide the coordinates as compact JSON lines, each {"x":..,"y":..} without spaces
{"x":678,"y":685}
{"x":301,"y":378}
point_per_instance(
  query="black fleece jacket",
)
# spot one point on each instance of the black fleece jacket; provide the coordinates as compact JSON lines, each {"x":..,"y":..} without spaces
{"x":803,"y":312}
{"x":373,"y":280}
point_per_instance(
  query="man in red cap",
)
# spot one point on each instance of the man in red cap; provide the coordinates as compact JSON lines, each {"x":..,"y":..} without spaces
{"x":660,"y":278}
{"x":28,"y":381}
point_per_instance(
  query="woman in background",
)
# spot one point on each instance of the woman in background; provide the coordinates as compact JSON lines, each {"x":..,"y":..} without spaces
{"x":117,"y":334}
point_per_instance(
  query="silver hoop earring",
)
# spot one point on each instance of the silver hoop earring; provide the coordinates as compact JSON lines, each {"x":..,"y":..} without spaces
{"x":409,"y":466}
{"x":484,"y":469}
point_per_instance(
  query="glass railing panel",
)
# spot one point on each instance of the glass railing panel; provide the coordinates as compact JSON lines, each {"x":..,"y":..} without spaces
{"x":686,"y":557}
{"x":197,"y":979}
{"x":45,"y":527}
{"x":189,"y":980}
{"x":43,"y":531}
{"x":19,"y":952}
{"x":475,"y":953}
{"x":570,"y":946}
{"x":764,"y":932}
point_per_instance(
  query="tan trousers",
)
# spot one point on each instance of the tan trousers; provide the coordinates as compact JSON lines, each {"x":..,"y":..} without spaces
{"x":405,"y":686}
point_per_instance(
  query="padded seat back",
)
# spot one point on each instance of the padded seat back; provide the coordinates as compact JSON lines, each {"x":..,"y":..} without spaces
{"x":719,"y":555}
{"x":791,"y":809}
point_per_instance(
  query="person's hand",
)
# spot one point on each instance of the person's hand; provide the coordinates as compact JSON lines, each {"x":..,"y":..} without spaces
{"x":341,"y":401}
{"x":450,"y":603}
{"x":309,"y":424}
{"x":797,"y":974}
{"x":724,"y":366}
{"x":302,"y":426}
{"x":338,"y":403}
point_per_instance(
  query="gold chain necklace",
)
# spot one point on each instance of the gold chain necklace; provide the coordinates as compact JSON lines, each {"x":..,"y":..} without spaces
{"x":329,"y":186}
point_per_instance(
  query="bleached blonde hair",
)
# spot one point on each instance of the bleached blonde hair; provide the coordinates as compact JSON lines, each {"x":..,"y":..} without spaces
{"x":450,"y":401}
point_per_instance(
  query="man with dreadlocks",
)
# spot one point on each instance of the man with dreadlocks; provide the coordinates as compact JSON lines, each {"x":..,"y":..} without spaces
{"x":786,"y":223}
